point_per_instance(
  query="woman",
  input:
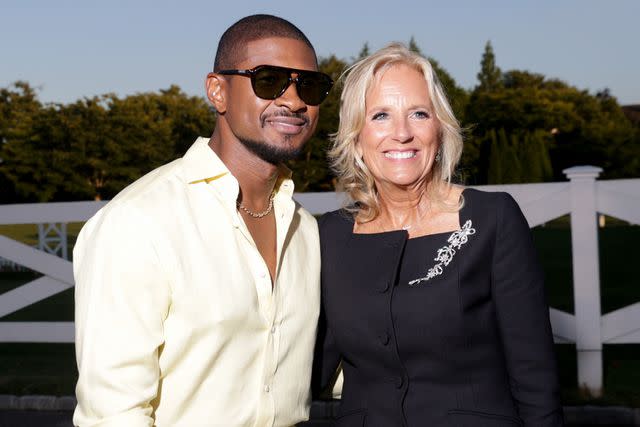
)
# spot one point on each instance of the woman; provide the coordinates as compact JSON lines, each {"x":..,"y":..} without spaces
{"x":433,"y":298}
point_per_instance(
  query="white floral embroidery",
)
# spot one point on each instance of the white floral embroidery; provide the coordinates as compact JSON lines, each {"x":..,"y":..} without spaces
{"x":446,"y":253}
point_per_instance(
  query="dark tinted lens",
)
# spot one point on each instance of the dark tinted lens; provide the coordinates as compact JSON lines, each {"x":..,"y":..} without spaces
{"x":268,"y":83}
{"x":313,"y":87}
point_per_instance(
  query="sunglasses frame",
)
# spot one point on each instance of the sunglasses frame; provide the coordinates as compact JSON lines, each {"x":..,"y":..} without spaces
{"x":251,"y":73}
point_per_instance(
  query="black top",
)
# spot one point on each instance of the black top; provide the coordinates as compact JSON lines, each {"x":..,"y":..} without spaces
{"x":469,"y":344}
{"x":408,"y":305}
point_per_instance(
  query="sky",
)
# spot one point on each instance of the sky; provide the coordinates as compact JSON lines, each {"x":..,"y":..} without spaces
{"x":75,"y":49}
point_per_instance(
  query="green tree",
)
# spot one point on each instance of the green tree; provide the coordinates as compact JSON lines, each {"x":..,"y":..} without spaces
{"x":413,"y":46}
{"x":94,"y":147}
{"x":26,"y":151}
{"x":542,"y":140}
{"x":530,"y":159}
{"x":495,"y":159}
{"x":469,"y":168}
{"x":84,"y":150}
{"x":510,"y":151}
{"x":458,"y":97}
{"x":190,"y":117}
{"x":364,"y":52}
{"x":490,"y":76}
{"x":148,"y":130}
{"x":586,"y":130}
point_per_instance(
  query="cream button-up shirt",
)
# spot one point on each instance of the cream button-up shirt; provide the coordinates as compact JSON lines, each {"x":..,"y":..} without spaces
{"x":177,"y":323}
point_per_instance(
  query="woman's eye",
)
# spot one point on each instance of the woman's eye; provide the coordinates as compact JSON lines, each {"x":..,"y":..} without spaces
{"x":379,"y":116}
{"x":421,"y":115}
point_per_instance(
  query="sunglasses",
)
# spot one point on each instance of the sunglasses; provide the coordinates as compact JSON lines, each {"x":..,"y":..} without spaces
{"x":270,"y":82}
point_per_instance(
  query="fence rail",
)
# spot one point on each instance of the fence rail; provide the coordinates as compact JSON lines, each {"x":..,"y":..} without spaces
{"x":582,"y":197}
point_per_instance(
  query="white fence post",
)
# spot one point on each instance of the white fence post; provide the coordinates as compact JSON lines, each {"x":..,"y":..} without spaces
{"x":586,"y":275}
{"x":52,"y":238}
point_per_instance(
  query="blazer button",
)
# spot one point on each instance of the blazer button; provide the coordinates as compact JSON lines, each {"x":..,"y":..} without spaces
{"x":383,"y":286}
{"x":384,"y":338}
{"x":397,"y":381}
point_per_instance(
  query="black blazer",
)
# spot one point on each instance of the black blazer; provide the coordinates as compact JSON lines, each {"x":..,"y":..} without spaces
{"x":481,"y":344}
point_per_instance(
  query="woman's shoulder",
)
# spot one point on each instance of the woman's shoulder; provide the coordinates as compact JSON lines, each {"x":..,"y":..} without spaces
{"x":338,"y":219}
{"x":490,"y":207}
{"x":483,"y":199}
{"x":497,"y":207}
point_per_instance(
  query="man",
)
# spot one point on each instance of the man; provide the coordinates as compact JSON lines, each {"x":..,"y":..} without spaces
{"x":197,"y":287}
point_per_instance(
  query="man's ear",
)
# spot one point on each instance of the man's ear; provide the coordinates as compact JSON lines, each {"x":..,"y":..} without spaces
{"x":216,"y":87}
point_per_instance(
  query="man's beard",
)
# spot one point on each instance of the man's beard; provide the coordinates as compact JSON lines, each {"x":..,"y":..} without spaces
{"x":269,"y":153}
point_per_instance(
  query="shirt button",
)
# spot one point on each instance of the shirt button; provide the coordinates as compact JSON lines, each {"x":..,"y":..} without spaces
{"x":263,"y":274}
{"x":267,"y":389}
{"x":273,"y":329}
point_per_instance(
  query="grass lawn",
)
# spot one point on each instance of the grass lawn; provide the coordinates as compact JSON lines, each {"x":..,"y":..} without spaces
{"x":50,"y":368}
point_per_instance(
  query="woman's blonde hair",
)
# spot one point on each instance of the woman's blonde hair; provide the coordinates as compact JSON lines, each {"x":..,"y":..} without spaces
{"x":353,"y":176}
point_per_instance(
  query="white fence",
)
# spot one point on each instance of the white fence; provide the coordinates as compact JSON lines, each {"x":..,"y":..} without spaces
{"x":582,"y":197}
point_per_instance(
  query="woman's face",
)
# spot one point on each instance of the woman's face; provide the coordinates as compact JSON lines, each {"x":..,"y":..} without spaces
{"x":399,"y":140}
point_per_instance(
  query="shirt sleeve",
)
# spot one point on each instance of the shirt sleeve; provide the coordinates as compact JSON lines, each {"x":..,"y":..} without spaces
{"x":523,"y":319}
{"x":122,"y":299}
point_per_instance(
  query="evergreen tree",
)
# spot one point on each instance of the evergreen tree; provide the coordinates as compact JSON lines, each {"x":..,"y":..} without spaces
{"x":413,"y":46}
{"x":530,"y":158}
{"x":534,"y":157}
{"x":494,"y":175}
{"x":588,"y":129}
{"x":458,"y":97}
{"x":540,"y":139}
{"x":513,"y":165}
{"x":364,"y":52}
{"x":489,"y":77}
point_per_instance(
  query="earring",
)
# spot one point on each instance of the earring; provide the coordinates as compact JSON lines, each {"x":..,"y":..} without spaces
{"x":439,"y":155}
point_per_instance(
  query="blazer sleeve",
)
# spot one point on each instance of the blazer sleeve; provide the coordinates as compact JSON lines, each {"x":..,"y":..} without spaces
{"x":523,"y":319}
{"x":326,"y":355}
{"x":325,"y":364}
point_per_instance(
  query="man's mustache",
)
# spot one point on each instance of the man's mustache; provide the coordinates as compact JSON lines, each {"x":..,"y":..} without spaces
{"x":284,"y":113}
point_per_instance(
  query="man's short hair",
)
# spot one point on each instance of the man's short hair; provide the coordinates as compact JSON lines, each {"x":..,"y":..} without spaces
{"x":232,"y":45}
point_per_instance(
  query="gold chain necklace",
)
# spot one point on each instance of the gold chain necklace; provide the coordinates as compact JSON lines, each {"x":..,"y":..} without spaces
{"x":258,"y":214}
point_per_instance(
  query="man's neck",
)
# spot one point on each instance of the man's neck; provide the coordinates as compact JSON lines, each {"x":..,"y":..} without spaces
{"x":255,"y":176}
{"x":257,"y":179}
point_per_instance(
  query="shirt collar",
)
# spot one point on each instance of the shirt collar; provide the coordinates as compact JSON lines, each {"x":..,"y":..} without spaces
{"x":284,"y":184}
{"x":203,"y":166}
